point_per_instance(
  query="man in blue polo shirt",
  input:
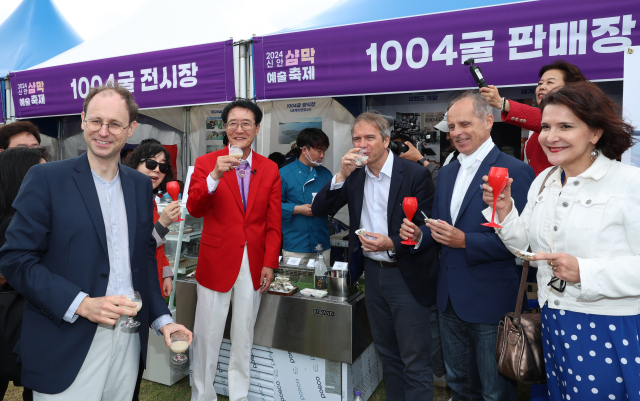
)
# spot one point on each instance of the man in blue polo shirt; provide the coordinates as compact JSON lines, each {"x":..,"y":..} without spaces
{"x":301,"y":180}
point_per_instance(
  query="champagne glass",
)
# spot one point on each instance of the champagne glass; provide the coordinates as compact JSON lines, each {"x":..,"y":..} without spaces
{"x":362,"y":157}
{"x":236,"y":151}
{"x":173,"y":189}
{"x":131,"y":323}
{"x":179,"y":344}
{"x":497,"y":180}
{"x":410,"y":206}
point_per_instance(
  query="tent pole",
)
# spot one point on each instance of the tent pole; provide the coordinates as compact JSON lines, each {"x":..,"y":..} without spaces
{"x":243,"y":69}
{"x":60,"y":135}
{"x":250,"y":83}
{"x":186,"y":149}
{"x":11,"y":112}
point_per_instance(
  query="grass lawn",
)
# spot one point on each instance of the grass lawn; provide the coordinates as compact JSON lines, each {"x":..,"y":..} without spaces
{"x":181,"y":391}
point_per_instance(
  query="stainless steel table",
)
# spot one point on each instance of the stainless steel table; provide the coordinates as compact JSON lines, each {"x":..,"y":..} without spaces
{"x":331,"y":328}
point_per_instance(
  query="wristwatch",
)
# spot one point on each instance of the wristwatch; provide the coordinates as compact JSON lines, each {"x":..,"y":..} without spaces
{"x":421,"y":161}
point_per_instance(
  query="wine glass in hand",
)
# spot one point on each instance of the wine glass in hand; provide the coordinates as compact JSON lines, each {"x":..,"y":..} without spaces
{"x":179,"y":344}
{"x":173,"y":189}
{"x":497,"y":180}
{"x":131,"y":323}
{"x":410,"y":206}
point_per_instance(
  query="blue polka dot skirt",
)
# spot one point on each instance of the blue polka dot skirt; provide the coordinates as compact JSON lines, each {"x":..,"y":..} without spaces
{"x":591,"y":357}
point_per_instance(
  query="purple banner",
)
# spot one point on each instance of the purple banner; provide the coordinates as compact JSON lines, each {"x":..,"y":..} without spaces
{"x":509,"y":42}
{"x":2,"y":107}
{"x":177,"y":77}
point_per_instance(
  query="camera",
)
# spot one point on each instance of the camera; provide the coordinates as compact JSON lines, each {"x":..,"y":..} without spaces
{"x":398,"y":147}
{"x":476,"y":72}
{"x":410,"y":128}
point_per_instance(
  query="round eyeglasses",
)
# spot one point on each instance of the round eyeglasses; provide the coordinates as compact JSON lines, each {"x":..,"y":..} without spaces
{"x":114,"y":128}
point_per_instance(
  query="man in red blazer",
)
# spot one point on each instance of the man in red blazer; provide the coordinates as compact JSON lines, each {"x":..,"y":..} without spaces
{"x":240,"y":201}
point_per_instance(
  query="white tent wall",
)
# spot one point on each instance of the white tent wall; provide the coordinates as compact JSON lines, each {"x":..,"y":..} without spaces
{"x":51,"y":145}
{"x":172,"y":116}
{"x":285,"y":118}
{"x":324,"y":113}
{"x":205,"y":138}
{"x":74,"y":144}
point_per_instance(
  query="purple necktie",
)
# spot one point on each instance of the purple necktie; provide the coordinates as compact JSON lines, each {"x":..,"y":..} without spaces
{"x":243,"y":182}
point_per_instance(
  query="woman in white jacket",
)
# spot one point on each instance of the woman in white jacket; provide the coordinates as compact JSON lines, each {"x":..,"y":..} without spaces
{"x":584,"y":227}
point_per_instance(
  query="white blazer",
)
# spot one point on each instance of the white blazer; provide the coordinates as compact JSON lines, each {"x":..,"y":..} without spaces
{"x":594,"y":217}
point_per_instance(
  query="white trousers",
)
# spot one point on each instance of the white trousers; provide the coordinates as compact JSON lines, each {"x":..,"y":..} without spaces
{"x":211,"y":316}
{"x":305,"y":256}
{"x":109,"y":370}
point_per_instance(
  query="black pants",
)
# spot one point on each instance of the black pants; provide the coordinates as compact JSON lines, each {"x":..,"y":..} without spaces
{"x":11,"y":307}
{"x":401,"y":330}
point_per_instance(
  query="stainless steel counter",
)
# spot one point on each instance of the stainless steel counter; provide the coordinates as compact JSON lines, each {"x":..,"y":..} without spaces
{"x":331,"y":328}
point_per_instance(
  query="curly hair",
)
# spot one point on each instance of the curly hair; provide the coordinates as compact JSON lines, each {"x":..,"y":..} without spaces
{"x":146,"y":150}
{"x":590,"y":104}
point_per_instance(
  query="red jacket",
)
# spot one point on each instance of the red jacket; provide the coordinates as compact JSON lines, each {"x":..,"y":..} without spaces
{"x":529,"y":117}
{"x":226,"y":226}
{"x":160,"y":256}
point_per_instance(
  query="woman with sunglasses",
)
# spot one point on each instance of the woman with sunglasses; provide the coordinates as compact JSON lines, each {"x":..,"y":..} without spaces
{"x":152,"y":159}
{"x":582,"y":223}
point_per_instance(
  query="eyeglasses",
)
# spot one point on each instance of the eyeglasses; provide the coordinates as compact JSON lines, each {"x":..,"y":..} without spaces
{"x":557,"y":286}
{"x":114,"y":128}
{"x":233,"y":125}
{"x":152,"y":164}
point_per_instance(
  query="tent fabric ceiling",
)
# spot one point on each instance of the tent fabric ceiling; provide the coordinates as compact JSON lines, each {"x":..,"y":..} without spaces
{"x":348,"y":12}
{"x":33,"y":33}
{"x":172,"y":116}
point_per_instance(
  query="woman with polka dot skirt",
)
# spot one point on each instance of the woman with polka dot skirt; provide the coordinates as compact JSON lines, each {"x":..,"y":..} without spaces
{"x":584,"y":230}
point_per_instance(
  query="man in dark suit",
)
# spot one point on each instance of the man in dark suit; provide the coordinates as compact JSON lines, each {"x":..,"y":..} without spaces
{"x":478,"y":279}
{"x":80,"y":240}
{"x":400,"y":286}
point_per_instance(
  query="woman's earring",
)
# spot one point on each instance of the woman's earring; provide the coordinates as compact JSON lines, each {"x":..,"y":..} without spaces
{"x":593,"y":155}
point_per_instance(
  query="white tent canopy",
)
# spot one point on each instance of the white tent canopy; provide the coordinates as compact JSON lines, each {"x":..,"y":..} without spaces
{"x":166,"y":24}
